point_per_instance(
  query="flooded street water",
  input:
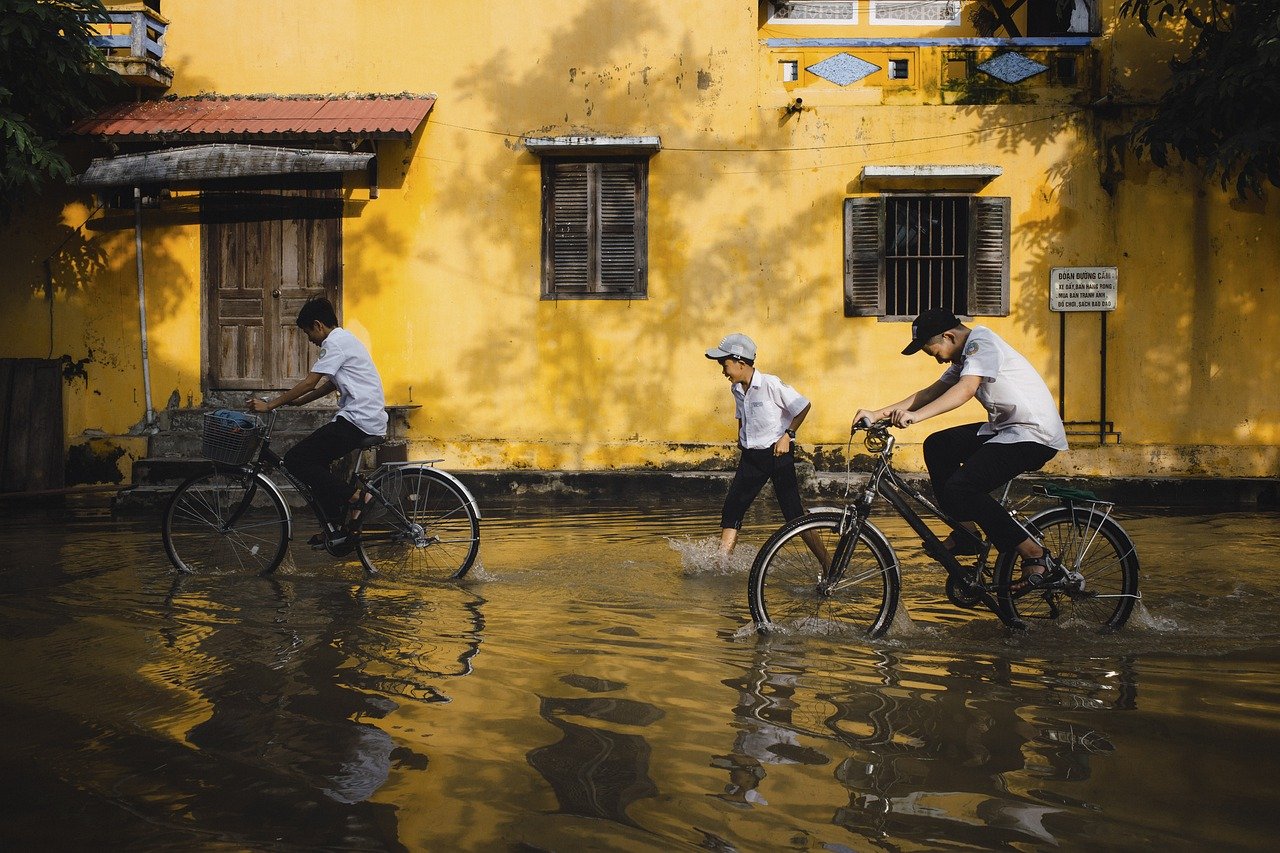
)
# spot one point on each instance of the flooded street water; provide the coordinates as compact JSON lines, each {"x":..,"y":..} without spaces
{"x":591,"y":687}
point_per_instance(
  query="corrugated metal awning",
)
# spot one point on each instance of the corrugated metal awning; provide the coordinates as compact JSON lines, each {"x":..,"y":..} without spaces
{"x":215,"y":161}
{"x":294,"y":117}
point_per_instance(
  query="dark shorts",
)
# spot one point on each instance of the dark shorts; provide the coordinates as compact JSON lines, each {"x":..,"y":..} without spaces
{"x":755,"y":468}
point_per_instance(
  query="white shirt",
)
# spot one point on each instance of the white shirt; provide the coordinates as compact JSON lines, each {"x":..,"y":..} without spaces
{"x":1019,"y":405}
{"x":765,"y":410}
{"x":347,"y":364}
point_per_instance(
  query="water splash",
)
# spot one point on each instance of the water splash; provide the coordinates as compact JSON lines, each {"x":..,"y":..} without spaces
{"x":1144,"y":618}
{"x":478,"y":574}
{"x":700,"y":557}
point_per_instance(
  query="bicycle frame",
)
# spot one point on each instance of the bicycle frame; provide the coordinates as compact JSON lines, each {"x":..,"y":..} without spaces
{"x":899,"y":493}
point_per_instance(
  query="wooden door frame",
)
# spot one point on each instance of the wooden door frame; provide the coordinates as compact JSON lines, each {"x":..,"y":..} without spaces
{"x":331,"y":203}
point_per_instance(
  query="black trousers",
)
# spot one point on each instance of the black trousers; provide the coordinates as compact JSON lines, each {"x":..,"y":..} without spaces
{"x":311,"y":460}
{"x":755,"y":468}
{"x":966,"y":467}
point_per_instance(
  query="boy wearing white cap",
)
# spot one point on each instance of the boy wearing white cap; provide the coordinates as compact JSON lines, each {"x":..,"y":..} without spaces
{"x":769,"y":413}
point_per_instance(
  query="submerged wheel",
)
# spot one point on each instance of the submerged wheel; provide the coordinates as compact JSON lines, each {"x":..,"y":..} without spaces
{"x":425,"y":528}
{"x":1100,"y":561}
{"x":225,"y":521}
{"x":787,"y":583}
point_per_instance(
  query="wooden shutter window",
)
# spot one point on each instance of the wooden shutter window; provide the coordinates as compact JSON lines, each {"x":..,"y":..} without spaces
{"x":864,"y":257}
{"x":594,"y":229}
{"x":989,"y":256}
{"x":570,"y":226}
{"x":619,"y":194}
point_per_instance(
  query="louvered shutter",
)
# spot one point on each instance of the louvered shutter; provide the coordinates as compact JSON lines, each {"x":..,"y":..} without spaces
{"x":568,"y":242}
{"x":620,"y":232}
{"x":988,"y":256}
{"x":864,"y":257}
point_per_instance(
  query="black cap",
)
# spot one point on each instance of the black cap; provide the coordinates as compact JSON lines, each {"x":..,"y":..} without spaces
{"x":929,"y":324}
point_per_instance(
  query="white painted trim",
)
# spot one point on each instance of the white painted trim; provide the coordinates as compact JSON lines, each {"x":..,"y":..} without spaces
{"x":580,"y":145}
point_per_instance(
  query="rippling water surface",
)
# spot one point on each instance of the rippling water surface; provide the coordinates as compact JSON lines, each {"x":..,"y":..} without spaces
{"x":591,"y":687}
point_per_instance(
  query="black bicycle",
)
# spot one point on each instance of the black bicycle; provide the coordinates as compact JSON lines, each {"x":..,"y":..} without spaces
{"x":836,"y":565}
{"x":415,"y":520}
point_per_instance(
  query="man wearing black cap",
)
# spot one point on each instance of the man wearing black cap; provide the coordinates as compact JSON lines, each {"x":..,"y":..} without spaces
{"x":966,"y":463}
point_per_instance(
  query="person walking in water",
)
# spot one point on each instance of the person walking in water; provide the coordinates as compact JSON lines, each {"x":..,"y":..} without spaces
{"x":769,"y":414}
{"x":966,"y":463}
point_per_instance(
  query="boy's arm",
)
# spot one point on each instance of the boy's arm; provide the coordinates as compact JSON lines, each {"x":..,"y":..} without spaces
{"x":326,"y":388}
{"x":923,"y":397}
{"x":952,"y":397}
{"x":305,"y":386}
{"x":783,"y":444}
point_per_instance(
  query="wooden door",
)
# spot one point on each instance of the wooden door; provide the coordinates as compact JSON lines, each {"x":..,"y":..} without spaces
{"x":31,"y":453}
{"x":264,"y":253}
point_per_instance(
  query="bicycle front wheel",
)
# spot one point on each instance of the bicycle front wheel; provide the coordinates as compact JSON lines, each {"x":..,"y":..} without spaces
{"x":419,"y":525}
{"x":1102,"y":567}
{"x":225,"y":521}
{"x":789,"y":585}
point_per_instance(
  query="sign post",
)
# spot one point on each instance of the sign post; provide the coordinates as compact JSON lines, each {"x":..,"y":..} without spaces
{"x":1075,"y":289}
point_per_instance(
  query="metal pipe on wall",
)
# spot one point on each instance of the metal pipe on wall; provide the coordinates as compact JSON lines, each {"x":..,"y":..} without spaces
{"x":142,"y":305}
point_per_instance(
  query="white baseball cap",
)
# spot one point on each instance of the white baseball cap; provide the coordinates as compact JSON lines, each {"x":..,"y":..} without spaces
{"x":736,"y":345}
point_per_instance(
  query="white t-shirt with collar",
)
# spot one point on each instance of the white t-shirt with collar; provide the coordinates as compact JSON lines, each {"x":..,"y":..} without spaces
{"x":765,"y":409}
{"x":1018,"y":403}
{"x":347,"y":364}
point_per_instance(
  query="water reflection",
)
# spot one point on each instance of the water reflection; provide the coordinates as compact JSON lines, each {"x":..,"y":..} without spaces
{"x":596,"y":771}
{"x":616,"y":706}
{"x":929,"y":749}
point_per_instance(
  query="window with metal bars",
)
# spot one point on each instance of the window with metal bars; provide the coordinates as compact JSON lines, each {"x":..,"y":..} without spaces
{"x":905,"y":253}
{"x":594,"y":224}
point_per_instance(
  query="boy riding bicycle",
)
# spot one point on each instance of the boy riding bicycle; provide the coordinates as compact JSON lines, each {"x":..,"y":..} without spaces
{"x":344,"y":365}
{"x":965,"y":463}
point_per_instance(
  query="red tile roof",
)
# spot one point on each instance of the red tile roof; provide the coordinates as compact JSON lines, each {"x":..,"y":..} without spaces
{"x":218,"y":116}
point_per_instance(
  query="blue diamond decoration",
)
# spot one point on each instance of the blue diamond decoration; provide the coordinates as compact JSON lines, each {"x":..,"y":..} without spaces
{"x":1012,"y":67}
{"x":843,"y":69}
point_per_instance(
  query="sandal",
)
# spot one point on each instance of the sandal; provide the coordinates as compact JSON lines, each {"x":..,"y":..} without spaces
{"x":1032,"y":579}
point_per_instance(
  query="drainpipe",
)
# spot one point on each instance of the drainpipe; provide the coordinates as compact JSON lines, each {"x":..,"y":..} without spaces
{"x":142,"y":305}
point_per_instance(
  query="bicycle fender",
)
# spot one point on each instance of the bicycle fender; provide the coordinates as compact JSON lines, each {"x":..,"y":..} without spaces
{"x":462,"y":488}
{"x":265,"y":482}
{"x":836,"y":509}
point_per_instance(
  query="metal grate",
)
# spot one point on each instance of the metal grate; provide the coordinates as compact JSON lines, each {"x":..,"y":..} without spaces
{"x":926,"y":247}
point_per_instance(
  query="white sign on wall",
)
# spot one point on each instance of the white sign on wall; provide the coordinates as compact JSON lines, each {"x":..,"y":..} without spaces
{"x":1083,"y":288}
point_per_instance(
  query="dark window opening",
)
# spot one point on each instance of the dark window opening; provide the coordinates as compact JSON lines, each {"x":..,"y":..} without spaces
{"x":899,"y":69}
{"x":926,"y":251}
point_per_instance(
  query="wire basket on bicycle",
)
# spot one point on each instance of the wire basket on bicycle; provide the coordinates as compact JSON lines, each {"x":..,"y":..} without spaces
{"x":230,"y":437}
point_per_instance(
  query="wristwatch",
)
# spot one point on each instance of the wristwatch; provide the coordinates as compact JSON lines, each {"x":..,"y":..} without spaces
{"x":791,"y":433}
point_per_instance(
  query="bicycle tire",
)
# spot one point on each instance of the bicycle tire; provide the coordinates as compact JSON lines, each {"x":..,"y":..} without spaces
{"x":1083,"y":541}
{"x":784,"y":585}
{"x":427,"y":529}
{"x":207,"y":529}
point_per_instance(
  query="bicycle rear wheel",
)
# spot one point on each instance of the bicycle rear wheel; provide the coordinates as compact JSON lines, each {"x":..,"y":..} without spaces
{"x":787,"y":584}
{"x":224,"y":522}
{"x":419,"y":525}
{"x":1094,"y":550}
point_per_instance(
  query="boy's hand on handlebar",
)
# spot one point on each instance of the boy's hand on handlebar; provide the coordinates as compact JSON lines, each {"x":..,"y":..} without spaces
{"x":256,"y":405}
{"x":902,"y":418}
{"x":863,"y":419}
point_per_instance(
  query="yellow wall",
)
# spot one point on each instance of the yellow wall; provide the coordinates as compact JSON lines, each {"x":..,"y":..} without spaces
{"x":442,"y":270}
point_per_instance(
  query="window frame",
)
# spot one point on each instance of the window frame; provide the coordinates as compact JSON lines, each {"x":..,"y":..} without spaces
{"x":595,"y":228}
{"x":917,"y":22}
{"x":986,"y":256}
{"x":774,"y":20}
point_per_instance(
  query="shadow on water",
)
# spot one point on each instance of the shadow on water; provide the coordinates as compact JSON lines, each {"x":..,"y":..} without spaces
{"x":591,"y":686}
